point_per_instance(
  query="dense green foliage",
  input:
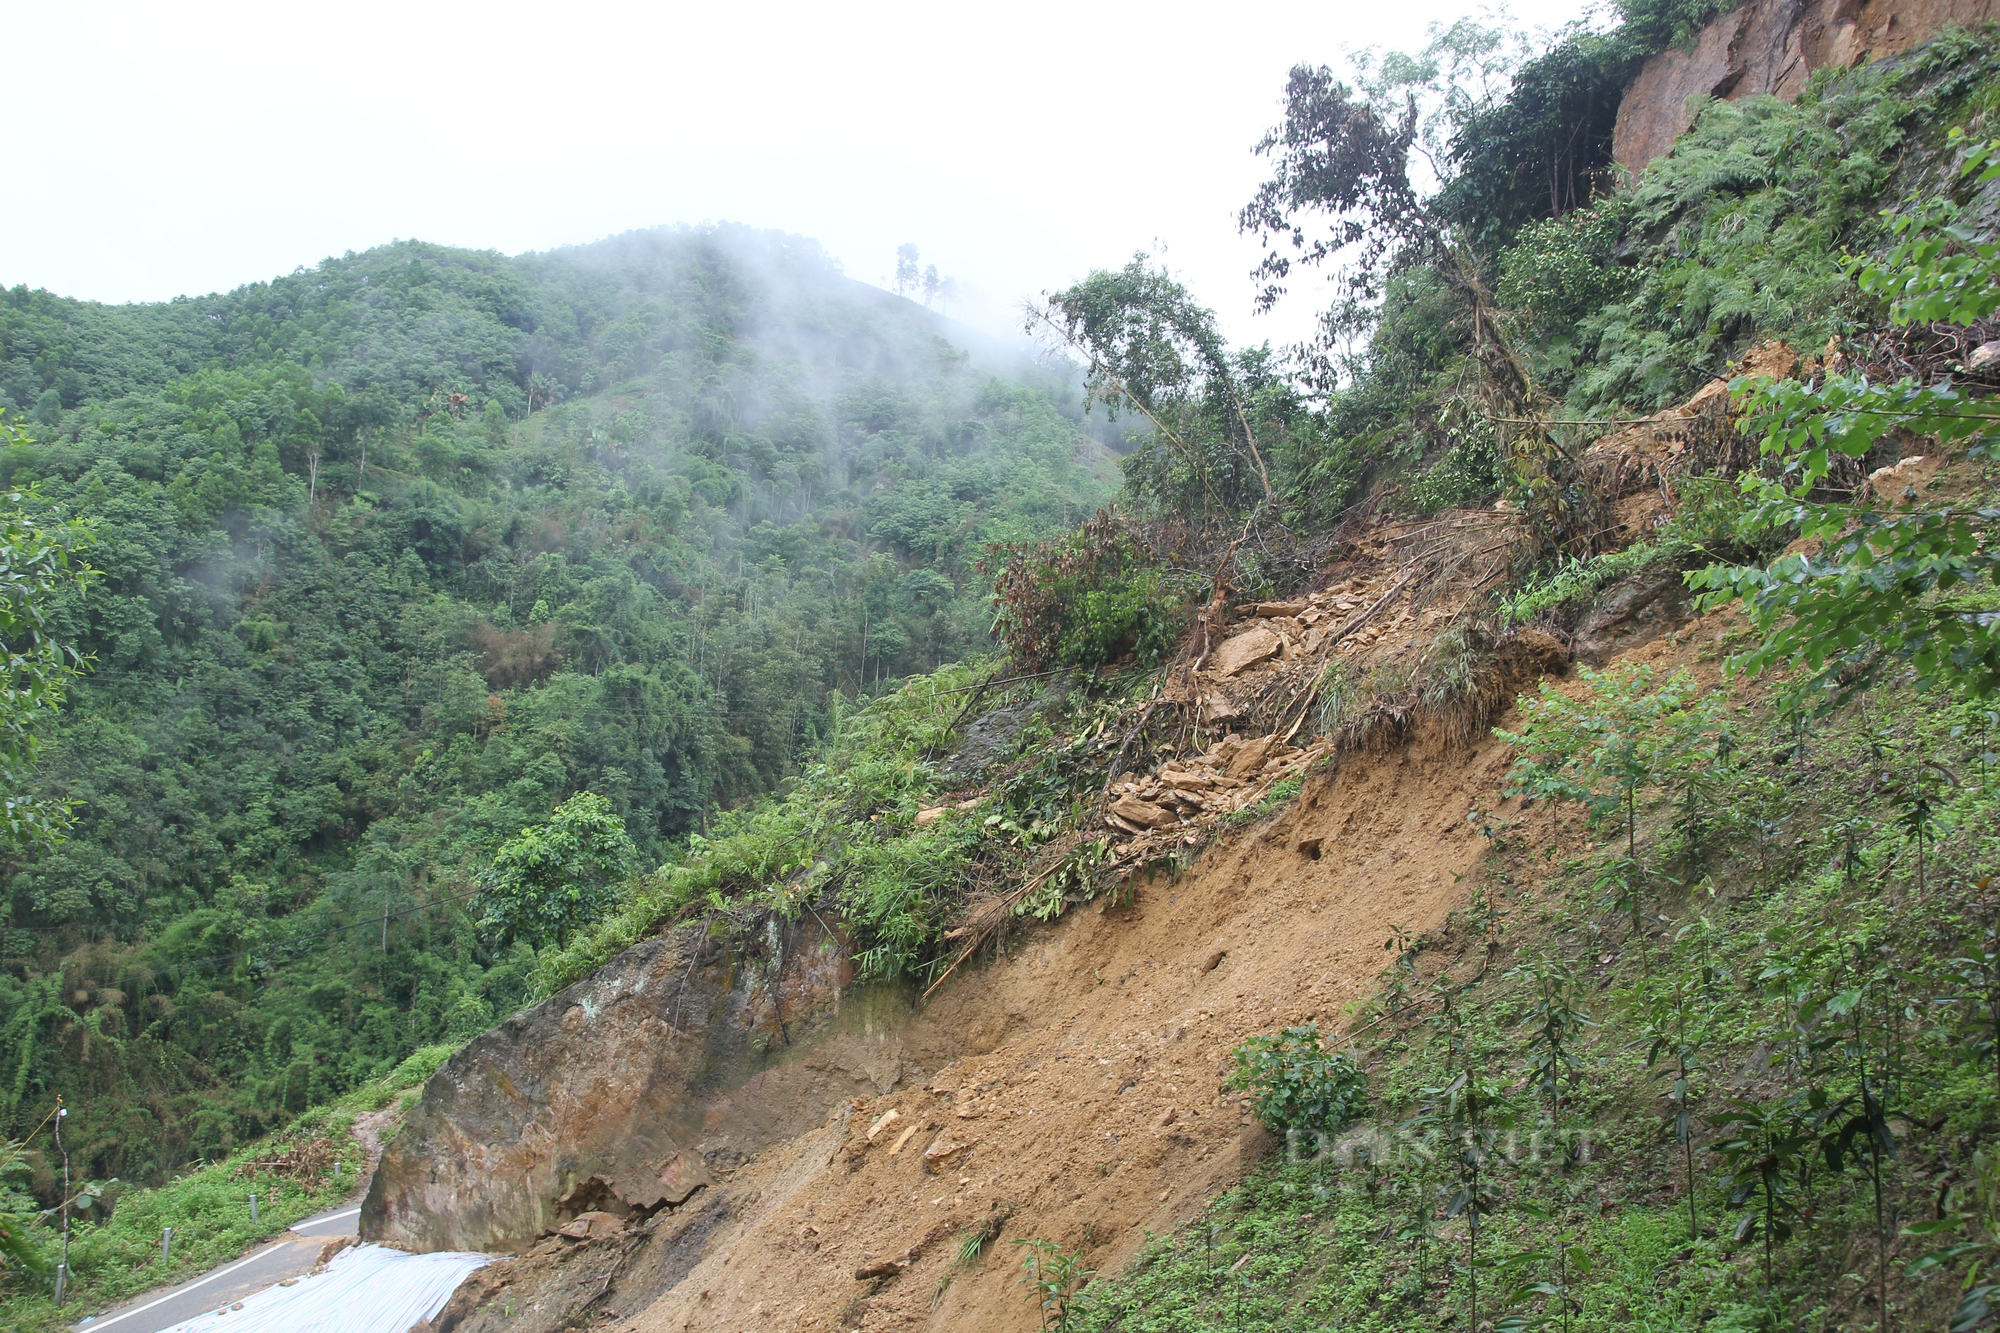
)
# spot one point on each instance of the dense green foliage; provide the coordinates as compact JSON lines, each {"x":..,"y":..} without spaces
{"x":552,"y":878}
{"x":39,"y":563}
{"x":1886,"y":584}
{"x":400,"y":552}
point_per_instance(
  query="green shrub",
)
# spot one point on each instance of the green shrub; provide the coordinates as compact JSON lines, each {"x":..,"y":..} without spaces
{"x":1578,"y":578}
{"x":420,"y":1065}
{"x":1086,"y":598}
{"x":1295,"y":1083}
{"x":554,"y":877}
{"x":1277,"y":798}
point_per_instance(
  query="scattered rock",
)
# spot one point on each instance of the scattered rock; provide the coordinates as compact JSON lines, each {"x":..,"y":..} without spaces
{"x":931,"y":815}
{"x":1634,"y":610}
{"x":1984,"y":355}
{"x":904,"y":1138}
{"x":1214,"y":960}
{"x":1167,"y":1117}
{"x":1246,"y":650}
{"x":882,"y":1122}
{"x":331,"y":1248}
{"x":1900,"y":481}
{"x":592,"y":1226}
{"x":680,"y":1176}
{"x":1706,"y":394}
{"x":1222,"y":752}
{"x":941,"y":1152}
{"x":1250,"y":757}
{"x":1144,"y":813}
{"x":1538,"y":652}
{"x":1273,"y":610}
{"x":1773,"y":358}
{"x":1215,"y":707}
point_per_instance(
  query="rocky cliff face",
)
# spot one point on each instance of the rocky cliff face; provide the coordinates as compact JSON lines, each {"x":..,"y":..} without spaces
{"x":1771,"y":46}
{"x":637,"y":1088}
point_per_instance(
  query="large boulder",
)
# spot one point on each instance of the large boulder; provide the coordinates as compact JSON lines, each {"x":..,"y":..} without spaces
{"x":1245,"y":650}
{"x":992,"y":737}
{"x":638,"y":1088}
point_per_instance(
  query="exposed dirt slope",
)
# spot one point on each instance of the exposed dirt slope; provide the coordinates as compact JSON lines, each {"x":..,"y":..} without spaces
{"x":1088,"y":1113}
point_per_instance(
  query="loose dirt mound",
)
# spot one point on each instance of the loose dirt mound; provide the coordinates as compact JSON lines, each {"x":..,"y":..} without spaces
{"x":1088,"y":1114}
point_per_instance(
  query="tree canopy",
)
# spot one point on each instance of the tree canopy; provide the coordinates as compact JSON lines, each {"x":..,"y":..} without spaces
{"x":402,"y":551}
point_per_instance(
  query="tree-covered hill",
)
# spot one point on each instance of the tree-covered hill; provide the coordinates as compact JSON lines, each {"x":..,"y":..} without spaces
{"x":401,"y":551}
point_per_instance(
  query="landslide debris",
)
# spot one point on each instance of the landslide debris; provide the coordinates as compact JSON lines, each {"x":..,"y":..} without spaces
{"x":1299,"y":785}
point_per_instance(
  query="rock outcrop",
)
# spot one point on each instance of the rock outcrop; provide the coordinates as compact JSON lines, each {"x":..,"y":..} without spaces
{"x":1633,"y":611}
{"x":1771,"y":46}
{"x":637,"y":1088}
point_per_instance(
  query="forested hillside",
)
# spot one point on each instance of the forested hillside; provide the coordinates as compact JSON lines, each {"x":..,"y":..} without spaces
{"x":401,"y":551}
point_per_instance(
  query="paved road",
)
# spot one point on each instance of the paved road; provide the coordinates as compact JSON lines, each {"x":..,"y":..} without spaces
{"x":291,"y":1254}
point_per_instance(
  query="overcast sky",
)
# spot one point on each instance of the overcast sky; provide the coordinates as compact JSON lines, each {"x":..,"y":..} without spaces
{"x":167,"y":149}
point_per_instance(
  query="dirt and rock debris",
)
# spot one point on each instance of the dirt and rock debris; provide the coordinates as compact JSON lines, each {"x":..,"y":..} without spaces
{"x":1084,"y":1108}
{"x":1064,"y":1085}
{"x":1067,"y":1091}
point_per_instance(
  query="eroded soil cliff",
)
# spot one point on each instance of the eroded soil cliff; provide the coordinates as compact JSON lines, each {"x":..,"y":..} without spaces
{"x":1074,"y":1094}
